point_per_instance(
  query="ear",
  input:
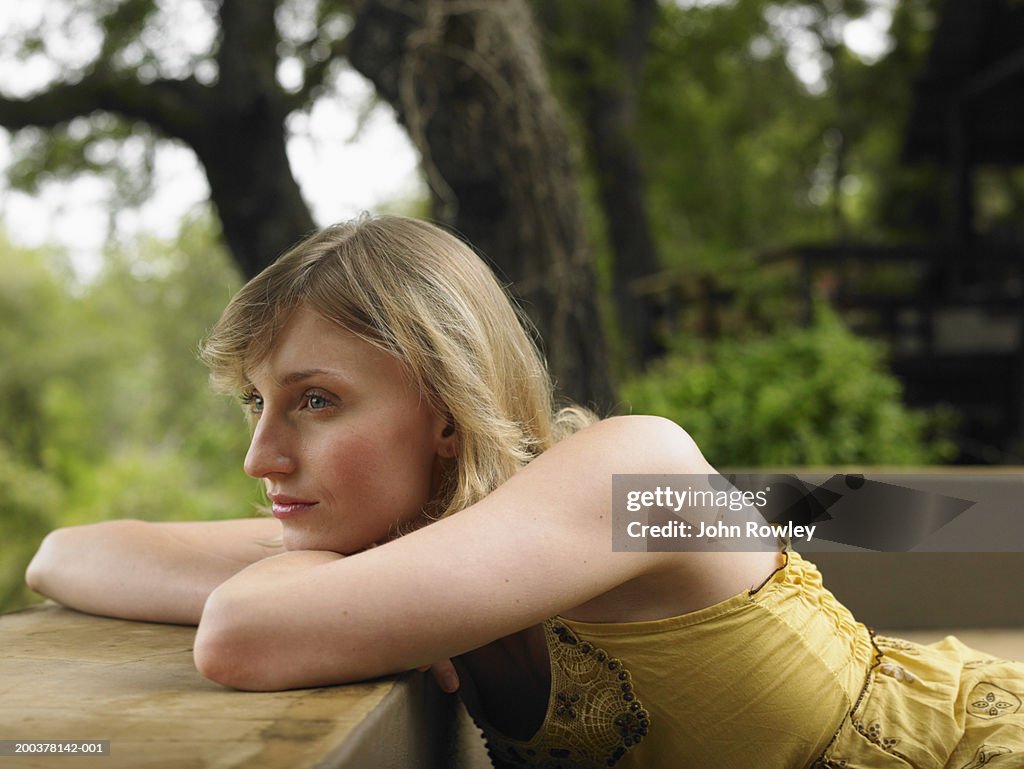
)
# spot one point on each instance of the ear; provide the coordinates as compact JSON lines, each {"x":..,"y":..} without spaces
{"x":448,"y":443}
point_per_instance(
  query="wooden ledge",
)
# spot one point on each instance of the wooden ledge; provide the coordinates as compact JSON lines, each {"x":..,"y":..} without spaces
{"x":71,"y":676}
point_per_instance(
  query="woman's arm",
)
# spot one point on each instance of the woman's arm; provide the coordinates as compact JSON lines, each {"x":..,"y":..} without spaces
{"x":159,"y":572}
{"x":537,"y":546}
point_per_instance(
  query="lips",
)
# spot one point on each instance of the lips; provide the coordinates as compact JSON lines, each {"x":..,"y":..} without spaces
{"x":283,"y":506}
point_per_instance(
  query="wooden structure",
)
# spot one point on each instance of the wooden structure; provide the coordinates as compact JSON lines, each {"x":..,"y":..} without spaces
{"x":71,"y":676}
{"x":958,"y":336}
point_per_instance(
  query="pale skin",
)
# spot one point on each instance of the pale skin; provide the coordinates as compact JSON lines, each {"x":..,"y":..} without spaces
{"x":347,"y":450}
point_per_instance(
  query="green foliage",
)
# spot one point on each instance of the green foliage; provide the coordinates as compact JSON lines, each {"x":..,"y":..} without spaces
{"x":742,"y":156}
{"x":803,"y":396}
{"x":731,"y":138}
{"x":31,"y":500}
{"x":105,"y":410}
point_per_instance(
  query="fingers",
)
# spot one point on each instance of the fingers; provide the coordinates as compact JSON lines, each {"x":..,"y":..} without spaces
{"x":444,"y":674}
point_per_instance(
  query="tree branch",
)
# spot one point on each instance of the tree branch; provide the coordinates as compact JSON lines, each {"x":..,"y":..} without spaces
{"x":314,"y":73}
{"x":175,"y":107}
{"x":247,"y":57}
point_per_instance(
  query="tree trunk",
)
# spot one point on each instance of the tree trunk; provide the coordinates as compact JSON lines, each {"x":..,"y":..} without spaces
{"x":617,"y":37}
{"x":258,"y":201}
{"x":467,"y":80}
{"x":243,"y":151}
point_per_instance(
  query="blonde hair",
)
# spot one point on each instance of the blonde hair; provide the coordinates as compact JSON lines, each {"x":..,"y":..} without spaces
{"x":423,"y":295}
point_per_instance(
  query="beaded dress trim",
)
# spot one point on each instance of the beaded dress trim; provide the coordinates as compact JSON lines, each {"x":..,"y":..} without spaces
{"x":593,"y":714}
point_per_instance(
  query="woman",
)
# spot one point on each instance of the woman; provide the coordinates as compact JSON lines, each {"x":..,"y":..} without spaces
{"x":391,"y":385}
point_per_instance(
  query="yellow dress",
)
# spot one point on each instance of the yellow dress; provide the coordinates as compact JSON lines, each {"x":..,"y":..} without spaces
{"x":782,"y":677}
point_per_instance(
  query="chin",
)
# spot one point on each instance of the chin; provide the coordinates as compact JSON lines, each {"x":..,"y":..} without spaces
{"x":302,"y":541}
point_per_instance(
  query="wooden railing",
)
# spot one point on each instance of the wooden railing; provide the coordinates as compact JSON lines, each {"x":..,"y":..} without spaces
{"x":71,"y":680}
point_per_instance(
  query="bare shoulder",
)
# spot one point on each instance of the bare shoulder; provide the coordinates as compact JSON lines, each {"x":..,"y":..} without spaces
{"x":568,"y":489}
{"x":636,"y":444}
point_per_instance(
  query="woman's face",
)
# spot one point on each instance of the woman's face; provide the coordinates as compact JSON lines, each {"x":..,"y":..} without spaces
{"x":346,"y":446}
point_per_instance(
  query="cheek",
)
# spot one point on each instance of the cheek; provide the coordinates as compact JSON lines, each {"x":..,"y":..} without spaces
{"x":386,"y":469}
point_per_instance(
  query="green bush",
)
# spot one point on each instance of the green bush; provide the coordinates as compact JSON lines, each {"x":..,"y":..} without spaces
{"x":803,"y":396}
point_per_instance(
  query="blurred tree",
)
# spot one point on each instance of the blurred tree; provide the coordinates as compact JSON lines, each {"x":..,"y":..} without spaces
{"x":732,"y":138}
{"x":599,"y":54}
{"x":105,"y":410}
{"x":824,"y":23}
{"x":227,"y":105}
{"x":896,"y":200}
{"x":30,"y":310}
{"x":31,"y":500}
{"x":466,"y":80}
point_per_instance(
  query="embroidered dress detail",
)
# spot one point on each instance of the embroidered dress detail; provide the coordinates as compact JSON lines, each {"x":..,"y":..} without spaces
{"x":987,"y":755}
{"x":593,"y":715}
{"x":987,"y":700}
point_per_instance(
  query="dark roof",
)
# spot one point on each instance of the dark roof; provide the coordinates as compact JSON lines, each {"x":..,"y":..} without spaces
{"x":975,"y":68}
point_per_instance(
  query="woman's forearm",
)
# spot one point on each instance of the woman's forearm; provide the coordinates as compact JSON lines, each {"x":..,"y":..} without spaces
{"x":138,"y":570}
{"x":236,"y":641}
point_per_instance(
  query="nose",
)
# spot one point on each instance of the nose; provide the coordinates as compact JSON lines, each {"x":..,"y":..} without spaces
{"x":269,"y":452}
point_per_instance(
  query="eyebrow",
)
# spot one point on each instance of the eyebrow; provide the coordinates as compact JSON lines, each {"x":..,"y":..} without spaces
{"x":300,"y":376}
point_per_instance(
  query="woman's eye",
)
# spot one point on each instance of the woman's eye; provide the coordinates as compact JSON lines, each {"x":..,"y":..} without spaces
{"x":253,"y":402}
{"x":317,"y":402}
